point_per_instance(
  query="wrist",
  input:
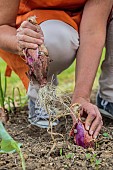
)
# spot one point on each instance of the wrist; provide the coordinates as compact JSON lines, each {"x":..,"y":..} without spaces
{"x":81,"y":93}
{"x":80,"y":99}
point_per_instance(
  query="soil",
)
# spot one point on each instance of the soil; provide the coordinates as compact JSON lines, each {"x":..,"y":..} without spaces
{"x":37,"y":143}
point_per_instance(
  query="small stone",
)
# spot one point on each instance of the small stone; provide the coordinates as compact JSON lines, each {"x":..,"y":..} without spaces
{"x":56,"y":159}
{"x":26,"y":156}
{"x":75,"y":131}
{"x":51,"y":164}
{"x":2,"y":163}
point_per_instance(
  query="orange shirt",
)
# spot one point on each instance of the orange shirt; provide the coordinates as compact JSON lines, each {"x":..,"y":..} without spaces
{"x":68,"y":11}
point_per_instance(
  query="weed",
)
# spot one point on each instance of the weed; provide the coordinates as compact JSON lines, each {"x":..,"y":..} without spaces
{"x":98,"y":161}
{"x":69,"y":155}
{"x":16,"y":96}
{"x":9,"y":103}
{"x":2,"y":92}
{"x":93,"y":160}
{"x":106,"y":135}
{"x":61,"y":152}
{"x":9,"y":145}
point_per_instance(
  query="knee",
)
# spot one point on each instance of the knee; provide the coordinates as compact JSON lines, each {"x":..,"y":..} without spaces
{"x":61,"y":41}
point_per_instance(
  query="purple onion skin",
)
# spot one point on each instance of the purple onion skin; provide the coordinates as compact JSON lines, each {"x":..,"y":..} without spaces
{"x":30,"y":60}
{"x":38,"y":66}
{"x":82,"y":137}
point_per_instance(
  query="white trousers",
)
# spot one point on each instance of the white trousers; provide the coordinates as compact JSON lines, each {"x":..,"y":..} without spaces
{"x":106,"y":78}
{"x":62,"y":42}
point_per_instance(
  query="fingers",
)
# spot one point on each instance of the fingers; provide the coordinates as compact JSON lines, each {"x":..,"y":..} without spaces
{"x":29,"y":35}
{"x":89,"y":109}
{"x":97,"y":124}
{"x":29,"y":39}
{"x":94,"y":120}
{"x":23,"y":45}
{"x":98,"y":130}
{"x":29,"y":32}
{"x":27,"y":24}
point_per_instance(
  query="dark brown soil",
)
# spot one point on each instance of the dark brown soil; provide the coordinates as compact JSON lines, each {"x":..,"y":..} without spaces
{"x":66,"y":156}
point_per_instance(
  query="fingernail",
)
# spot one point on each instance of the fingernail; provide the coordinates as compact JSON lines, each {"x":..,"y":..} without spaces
{"x":42,"y":38}
{"x":87,"y":128}
{"x":91,"y":132}
{"x":35,"y":46}
{"x":40,"y":41}
{"x":95,"y":137}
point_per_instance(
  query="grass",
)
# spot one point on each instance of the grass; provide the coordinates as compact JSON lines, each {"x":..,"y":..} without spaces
{"x":66,"y":78}
{"x":12,"y":81}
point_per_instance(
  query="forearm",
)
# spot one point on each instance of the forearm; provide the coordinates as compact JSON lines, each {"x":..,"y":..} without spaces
{"x":92,"y":38}
{"x":8,"y":40}
{"x":8,"y":14}
{"x":88,"y":59}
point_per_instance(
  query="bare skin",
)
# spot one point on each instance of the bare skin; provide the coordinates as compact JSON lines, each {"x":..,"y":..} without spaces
{"x":92,"y":39}
{"x":13,"y":40}
{"x":7,"y":25}
{"x":29,"y":36}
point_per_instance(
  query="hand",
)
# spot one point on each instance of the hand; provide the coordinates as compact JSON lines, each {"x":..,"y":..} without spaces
{"x":93,"y":122}
{"x":29,"y":36}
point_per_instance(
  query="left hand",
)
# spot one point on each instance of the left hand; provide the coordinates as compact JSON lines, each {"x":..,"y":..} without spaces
{"x":93,"y":122}
{"x":29,"y":36}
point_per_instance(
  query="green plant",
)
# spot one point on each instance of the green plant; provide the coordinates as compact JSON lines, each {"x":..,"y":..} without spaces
{"x":9,"y":145}
{"x":61,"y":152}
{"x":16,"y":97}
{"x":93,"y":159}
{"x":15,"y":100}
{"x":88,"y":156}
{"x":5,"y":102}
{"x":98,"y":161}
{"x":2,"y":92}
{"x":69,"y":155}
{"x":105,"y":134}
{"x":9,"y":103}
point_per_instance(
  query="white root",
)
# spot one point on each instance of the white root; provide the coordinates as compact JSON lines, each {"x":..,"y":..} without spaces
{"x":52,"y":100}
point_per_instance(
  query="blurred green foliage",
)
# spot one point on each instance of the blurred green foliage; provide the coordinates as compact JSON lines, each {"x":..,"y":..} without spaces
{"x":66,"y":79}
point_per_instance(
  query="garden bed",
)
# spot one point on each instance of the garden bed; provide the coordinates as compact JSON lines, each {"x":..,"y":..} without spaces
{"x":37,"y":143}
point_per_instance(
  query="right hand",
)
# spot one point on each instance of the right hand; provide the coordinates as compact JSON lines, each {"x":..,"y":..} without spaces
{"x":93,"y":122}
{"x":29,"y":36}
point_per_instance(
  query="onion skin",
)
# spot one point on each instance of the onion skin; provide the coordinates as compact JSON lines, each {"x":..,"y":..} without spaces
{"x":37,"y":60}
{"x":78,"y":132}
{"x":81,"y":137}
{"x":38,"y":63}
